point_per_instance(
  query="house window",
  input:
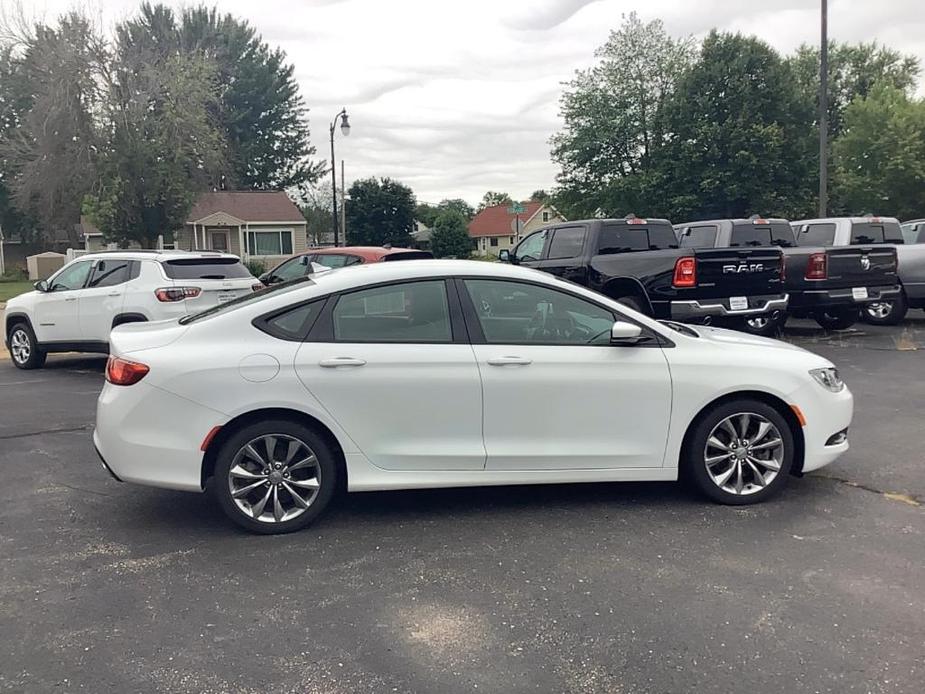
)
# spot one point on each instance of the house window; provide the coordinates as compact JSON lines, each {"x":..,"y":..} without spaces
{"x":276,"y":242}
{"x":494,"y":240}
{"x":545,"y":216}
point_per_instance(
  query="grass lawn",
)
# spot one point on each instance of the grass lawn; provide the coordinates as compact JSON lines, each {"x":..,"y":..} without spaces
{"x":10,"y":289}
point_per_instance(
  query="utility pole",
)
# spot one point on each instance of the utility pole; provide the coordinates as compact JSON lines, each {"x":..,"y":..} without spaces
{"x":343,"y":202}
{"x":824,"y":113}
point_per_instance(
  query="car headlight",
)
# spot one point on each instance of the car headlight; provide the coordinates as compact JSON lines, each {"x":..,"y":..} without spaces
{"x":828,"y":378}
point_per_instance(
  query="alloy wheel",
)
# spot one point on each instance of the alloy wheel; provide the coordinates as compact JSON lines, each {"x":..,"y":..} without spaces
{"x":744,"y":453}
{"x":20,"y":346}
{"x":880,"y":309}
{"x":758,"y":322}
{"x":274,"y":478}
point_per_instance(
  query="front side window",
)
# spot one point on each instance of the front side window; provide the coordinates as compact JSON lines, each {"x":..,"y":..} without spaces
{"x":406,"y":312}
{"x":518,"y":313}
{"x":72,"y":277}
{"x":109,"y":273}
{"x":531,"y":248}
{"x":269,"y":242}
{"x":566,"y":243}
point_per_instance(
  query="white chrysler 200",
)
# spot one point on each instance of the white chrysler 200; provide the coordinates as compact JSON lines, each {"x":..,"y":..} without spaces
{"x":448,"y":374}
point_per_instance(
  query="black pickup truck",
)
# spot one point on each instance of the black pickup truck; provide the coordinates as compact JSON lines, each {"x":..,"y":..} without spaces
{"x":829,"y":284}
{"x":639,"y":262}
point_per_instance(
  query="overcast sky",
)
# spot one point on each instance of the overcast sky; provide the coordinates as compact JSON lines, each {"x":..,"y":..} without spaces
{"x":456,"y":97}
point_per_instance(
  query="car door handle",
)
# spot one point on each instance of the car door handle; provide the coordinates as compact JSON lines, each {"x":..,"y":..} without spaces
{"x":114,"y":293}
{"x":70,"y":298}
{"x":510,"y":361}
{"x":334,"y":362}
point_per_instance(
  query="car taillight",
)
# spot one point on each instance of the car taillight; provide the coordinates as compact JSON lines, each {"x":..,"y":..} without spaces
{"x":817,"y":268}
{"x":177,"y":293}
{"x":685,"y":273}
{"x":257,"y":286}
{"x":122,"y":372}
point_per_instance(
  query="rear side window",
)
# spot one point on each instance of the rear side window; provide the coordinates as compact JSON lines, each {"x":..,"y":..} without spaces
{"x":698,"y":237}
{"x":876,"y":232}
{"x":292,"y":323}
{"x":205,"y":269}
{"x":108,"y":273}
{"x":408,"y":255}
{"x":566,"y":243}
{"x":749,"y":234}
{"x":620,"y":237}
{"x":816,"y":234}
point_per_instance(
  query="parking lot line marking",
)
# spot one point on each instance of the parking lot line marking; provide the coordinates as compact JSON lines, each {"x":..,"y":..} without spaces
{"x":23,"y":383}
{"x":65,"y":430}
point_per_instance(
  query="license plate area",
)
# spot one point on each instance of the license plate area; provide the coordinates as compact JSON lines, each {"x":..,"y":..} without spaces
{"x":225,"y":297}
{"x":859,"y":293}
{"x":738,"y":303}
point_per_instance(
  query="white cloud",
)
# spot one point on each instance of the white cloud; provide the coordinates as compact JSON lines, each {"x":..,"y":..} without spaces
{"x":456,"y":97}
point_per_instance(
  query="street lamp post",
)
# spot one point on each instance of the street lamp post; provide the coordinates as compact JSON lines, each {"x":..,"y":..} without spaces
{"x":345,"y":129}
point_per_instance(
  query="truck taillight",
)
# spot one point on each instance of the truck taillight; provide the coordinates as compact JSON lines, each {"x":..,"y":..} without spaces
{"x":817,"y":267}
{"x":685,"y":273}
{"x":122,"y":372}
{"x":168,"y":294}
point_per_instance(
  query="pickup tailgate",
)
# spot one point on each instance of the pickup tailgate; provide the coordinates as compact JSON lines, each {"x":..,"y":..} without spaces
{"x":727,"y":272}
{"x":861,"y":266}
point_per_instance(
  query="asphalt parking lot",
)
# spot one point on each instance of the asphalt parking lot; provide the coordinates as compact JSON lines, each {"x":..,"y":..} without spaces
{"x":625,"y":588}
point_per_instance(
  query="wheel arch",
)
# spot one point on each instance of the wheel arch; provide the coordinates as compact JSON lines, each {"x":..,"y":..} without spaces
{"x":12,"y":319}
{"x":235,"y":424}
{"x":129,"y":317}
{"x":619,"y":287}
{"x":782,"y":408}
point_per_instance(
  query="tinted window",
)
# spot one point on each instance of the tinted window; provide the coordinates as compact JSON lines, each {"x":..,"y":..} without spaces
{"x":876,"y":232}
{"x":566,"y":243}
{"x":72,"y":277}
{"x":620,"y":237}
{"x":816,"y":235}
{"x":517,"y":313}
{"x":295,"y":267}
{"x":698,"y":237}
{"x":410,"y":255}
{"x":531,"y":248}
{"x":205,"y":269}
{"x":407,"y":312}
{"x":294,"y":323}
{"x":748,"y":234}
{"x":108,"y":273}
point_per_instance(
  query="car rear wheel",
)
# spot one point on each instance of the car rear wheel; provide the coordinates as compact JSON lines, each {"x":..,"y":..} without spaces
{"x":740,"y":452}
{"x":275,"y":476}
{"x":886,"y":312}
{"x":24,"y":349}
{"x":837,"y":319}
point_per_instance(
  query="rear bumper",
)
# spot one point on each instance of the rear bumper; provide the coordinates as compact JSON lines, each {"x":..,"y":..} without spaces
{"x":681,"y":310}
{"x":819,"y":298}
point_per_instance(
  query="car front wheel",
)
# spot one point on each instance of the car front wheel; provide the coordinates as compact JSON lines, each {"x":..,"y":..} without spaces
{"x":740,"y":453}
{"x":24,"y":349}
{"x":275,"y":476}
{"x":837,"y":319}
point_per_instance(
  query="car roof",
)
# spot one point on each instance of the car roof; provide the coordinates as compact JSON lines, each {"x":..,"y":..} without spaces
{"x":875,"y":219}
{"x":154,"y":254}
{"x":365,"y":252}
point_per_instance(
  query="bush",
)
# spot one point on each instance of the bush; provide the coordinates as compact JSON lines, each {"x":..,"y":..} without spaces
{"x":450,"y":237}
{"x":256,"y":267}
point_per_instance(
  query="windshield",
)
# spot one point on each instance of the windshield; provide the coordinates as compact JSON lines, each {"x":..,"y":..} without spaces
{"x":774,"y":234}
{"x":248,"y":299}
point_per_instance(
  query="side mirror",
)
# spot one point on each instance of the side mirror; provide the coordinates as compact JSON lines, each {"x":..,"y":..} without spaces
{"x":623,"y":333}
{"x":41,"y":286}
{"x":504,"y":255}
{"x":265,"y":278}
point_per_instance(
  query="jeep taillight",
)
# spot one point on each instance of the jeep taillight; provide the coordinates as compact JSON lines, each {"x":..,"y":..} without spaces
{"x":817,"y":268}
{"x":122,"y":372}
{"x":177,"y":293}
{"x":685,"y":273}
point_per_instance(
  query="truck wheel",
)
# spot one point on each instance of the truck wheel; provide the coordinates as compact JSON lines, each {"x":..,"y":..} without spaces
{"x":837,"y":319}
{"x":24,"y":349}
{"x":766,"y":325}
{"x":886,"y":312}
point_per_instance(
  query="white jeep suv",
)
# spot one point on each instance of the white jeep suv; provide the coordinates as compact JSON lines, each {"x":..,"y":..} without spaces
{"x":74,"y":309}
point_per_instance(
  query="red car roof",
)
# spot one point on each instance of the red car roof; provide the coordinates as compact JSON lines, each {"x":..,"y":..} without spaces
{"x":369,"y":253}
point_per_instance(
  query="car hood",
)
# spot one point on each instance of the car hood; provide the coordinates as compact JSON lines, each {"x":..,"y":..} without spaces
{"x":725,"y":337}
{"x":21,"y":299}
{"x":134,"y":337}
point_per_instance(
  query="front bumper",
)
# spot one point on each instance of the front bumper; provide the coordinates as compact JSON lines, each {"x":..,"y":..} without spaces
{"x":821,"y":298}
{"x":827,"y":414}
{"x":687,"y":310}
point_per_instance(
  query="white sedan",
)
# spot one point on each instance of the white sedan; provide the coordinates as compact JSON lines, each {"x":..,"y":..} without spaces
{"x":449,"y":374}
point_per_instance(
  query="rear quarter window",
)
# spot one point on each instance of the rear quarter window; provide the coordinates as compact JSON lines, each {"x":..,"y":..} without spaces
{"x":876,"y":232}
{"x":698,"y":237}
{"x":620,"y":237}
{"x":205,"y":269}
{"x":816,"y":234}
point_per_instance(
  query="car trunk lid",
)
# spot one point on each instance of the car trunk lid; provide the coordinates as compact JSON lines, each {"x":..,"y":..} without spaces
{"x":209,"y":280}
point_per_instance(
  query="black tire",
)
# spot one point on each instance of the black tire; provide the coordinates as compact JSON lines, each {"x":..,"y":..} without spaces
{"x":694,"y":457}
{"x":886,"y":312}
{"x":327,"y":472}
{"x":633,"y":303}
{"x":24,"y":350}
{"x":837,"y":319}
{"x":764,"y":325}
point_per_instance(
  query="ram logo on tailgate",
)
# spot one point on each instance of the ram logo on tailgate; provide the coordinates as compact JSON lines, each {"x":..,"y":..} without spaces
{"x":743,"y":267}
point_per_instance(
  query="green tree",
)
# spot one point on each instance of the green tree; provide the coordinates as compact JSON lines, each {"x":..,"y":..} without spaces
{"x":740,"y":136}
{"x":426,"y":214}
{"x":880,"y":160}
{"x":15,"y":101}
{"x":458,"y":204}
{"x":451,"y":236}
{"x":492,"y":198}
{"x":615,"y":120}
{"x":380,"y":212}
{"x":540,"y":195}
